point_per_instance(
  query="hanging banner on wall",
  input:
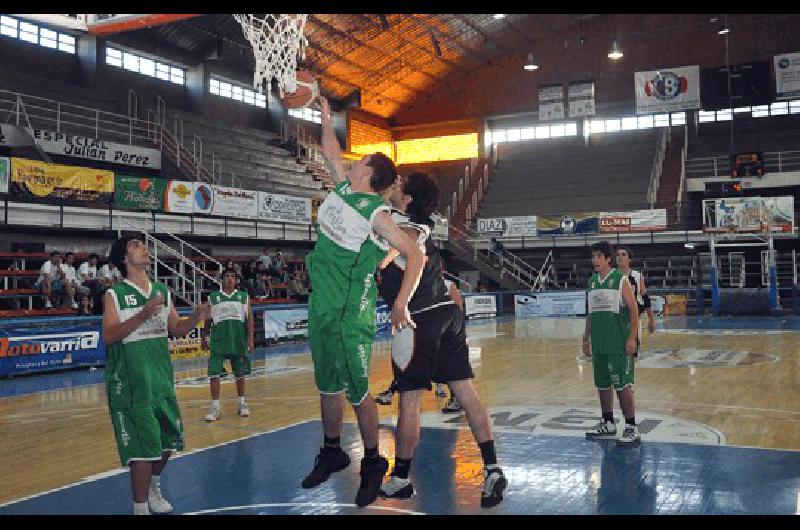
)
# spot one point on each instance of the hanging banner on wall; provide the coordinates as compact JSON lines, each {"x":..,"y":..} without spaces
{"x":667,"y":90}
{"x":140,"y":193}
{"x":549,"y":304}
{"x":32,"y":178}
{"x":31,"y":349}
{"x":284,"y":208}
{"x":635,"y":221}
{"x":787,"y":75}
{"x":580,"y":95}
{"x":285,"y":323}
{"x":551,"y":102}
{"x":94,"y":149}
{"x":233,"y":202}
{"x":518,"y":226}
{"x":568,"y":225}
{"x":5,"y":171}
{"x":203,"y":197}
{"x":179,"y":197}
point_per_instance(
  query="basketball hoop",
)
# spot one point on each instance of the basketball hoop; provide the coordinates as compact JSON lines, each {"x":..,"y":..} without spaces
{"x":277,"y":40}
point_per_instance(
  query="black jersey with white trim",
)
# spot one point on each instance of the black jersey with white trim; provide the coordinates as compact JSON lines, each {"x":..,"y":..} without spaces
{"x":431,"y":289}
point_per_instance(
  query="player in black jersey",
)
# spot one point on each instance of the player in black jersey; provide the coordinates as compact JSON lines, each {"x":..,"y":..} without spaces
{"x":435,"y":350}
{"x":624,"y":259}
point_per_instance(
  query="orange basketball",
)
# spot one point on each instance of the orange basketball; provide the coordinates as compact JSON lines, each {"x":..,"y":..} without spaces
{"x":307,"y":91}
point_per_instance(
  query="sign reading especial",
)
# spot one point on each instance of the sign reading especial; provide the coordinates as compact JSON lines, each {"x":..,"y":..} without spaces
{"x":94,"y":149}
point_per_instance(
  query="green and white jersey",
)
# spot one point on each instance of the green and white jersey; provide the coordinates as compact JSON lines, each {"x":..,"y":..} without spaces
{"x":608,"y":315}
{"x":228,"y":314}
{"x":138,"y":368}
{"x":342,"y":265}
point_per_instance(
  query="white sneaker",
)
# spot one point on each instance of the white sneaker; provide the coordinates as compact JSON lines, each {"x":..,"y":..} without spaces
{"x":74,"y":305}
{"x":397,"y":488}
{"x":441,"y":390}
{"x":213,"y":413}
{"x":604,"y":429}
{"x":47,"y":304}
{"x":242,"y":409}
{"x":630,"y":435}
{"x":158,"y":504}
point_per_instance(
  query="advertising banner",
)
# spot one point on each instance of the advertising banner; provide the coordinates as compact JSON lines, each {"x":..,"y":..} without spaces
{"x":568,"y":225}
{"x":31,"y":349}
{"x":667,"y":90}
{"x":233,"y":202}
{"x":284,"y":208}
{"x":480,"y":306}
{"x":787,"y":75}
{"x":550,"y":304}
{"x":203,"y":197}
{"x":5,"y":171}
{"x":189,"y":346}
{"x":580,"y":95}
{"x":518,"y":226}
{"x":32,"y":178}
{"x":94,"y":149}
{"x":140,"y":193}
{"x":635,"y":221}
{"x":745,"y":212}
{"x":286,"y":323}
{"x":551,"y":102}
{"x":382,"y":313}
{"x":179,"y":197}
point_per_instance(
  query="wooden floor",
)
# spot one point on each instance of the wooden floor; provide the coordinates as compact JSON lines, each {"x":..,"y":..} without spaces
{"x":53,"y":438}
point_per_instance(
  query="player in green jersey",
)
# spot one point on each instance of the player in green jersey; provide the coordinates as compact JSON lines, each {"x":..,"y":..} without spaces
{"x":137,"y":317}
{"x":612,"y":327}
{"x":354,"y":231}
{"x":232,"y":330}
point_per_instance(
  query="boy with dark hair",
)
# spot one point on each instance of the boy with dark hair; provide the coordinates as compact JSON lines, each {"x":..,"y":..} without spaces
{"x":612,"y":323}
{"x":232,"y":337}
{"x":435,"y":350}
{"x":137,"y":318}
{"x":636,"y":278}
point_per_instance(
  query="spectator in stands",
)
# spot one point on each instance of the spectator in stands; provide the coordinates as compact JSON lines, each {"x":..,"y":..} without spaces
{"x":481,"y":288}
{"x":281,"y":270}
{"x":265,"y":258}
{"x":86,"y":306}
{"x":291,"y":145}
{"x":297,"y":288}
{"x":88,"y":277}
{"x":109,"y":275}
{"x":71,"y":277}
{"x":262,"y":283}
{"x":249,"y":277}
{"x":51,"y":280}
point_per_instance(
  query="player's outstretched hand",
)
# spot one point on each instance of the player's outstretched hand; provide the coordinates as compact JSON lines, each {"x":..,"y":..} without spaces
{"x":587,"y":348}
{"x":630,"y":346}
{"x":401,"y":318}
{"x":203,"y":311}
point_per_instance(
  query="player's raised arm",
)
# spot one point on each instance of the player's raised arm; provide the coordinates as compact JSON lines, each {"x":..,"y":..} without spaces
{"x":330,"y":145}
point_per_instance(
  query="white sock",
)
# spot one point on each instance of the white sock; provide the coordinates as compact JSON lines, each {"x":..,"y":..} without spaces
{"x":154,"y":481}
{"x":140,"y":508}
{"x":215,"y":403}
{"x":241,"y":400}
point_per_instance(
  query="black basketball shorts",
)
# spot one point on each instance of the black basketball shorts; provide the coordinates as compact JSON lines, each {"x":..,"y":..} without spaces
{"x":435,"y":351}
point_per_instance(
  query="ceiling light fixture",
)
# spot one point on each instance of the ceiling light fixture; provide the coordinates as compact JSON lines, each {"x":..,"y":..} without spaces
{"x":531,"y":65}
{"x":723,"y":30}
{"x":615,"y":53}
{"x":499,"y":17}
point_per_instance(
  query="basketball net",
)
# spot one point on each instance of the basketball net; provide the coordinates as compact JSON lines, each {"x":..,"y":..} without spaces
{"x":277,"y":40}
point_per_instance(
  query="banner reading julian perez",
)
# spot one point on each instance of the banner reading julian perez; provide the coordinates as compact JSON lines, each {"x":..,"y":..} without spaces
{"x":94,"y":149}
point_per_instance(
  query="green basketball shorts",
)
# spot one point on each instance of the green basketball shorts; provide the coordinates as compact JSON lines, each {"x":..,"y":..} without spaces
{"x":614,"y":370}
{"x":147,"y":430}
{"x":240,"y":364}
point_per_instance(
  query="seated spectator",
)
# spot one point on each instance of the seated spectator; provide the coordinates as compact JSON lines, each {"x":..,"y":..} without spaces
{"x":249,"y":277}
{"x":262,"y":283}
{"x":89,"y":280}
{"x":86,"y":306}
{"x":297,"y":289}
{"x":71,"y":278}
{"x":279,"y":267}
{"x":265,"y":258}
{"x":109,"y":275}
{"x":52,"y":280}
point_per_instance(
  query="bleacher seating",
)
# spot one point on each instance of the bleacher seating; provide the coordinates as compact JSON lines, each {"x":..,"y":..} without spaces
{"x":251,"y":155}
{"x":560,"y":176}
{"x":446,"y":174}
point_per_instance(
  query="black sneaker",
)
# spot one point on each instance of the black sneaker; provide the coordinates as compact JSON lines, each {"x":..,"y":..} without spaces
{"x":452,"y":406}
{"x":328,"y":461}
{"x":385,"y":397}
{"x":494,"y":483}
{"x":372,"y":472}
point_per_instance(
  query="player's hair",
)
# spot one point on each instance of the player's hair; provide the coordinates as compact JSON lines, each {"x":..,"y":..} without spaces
{"x":116,"y":256}
{"x":93,"y":255}
{"x":228,"y":270}
{"x":384,"y":172}
{"x":55,"y":253}
{"x":626,"y":249}
{"x":424,"y":193}
{"x":68,"y":254}
{"x":604,"y":248}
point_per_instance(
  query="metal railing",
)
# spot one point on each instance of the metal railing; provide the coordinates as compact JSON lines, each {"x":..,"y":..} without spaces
{"x":720,"y":166}
{"x":682,"y":184}
{"x":187,"y":279}
{"x":658,"y":166}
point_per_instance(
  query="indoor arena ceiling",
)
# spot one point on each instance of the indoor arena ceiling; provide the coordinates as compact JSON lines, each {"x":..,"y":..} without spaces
{"x":392,"y":59}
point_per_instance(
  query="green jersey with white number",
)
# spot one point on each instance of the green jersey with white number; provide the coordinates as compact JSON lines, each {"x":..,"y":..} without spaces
{"x":228,"y":331}
{"x":138,"y":367}
{"x":608,"y":315}
{"x":342,"y":265}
